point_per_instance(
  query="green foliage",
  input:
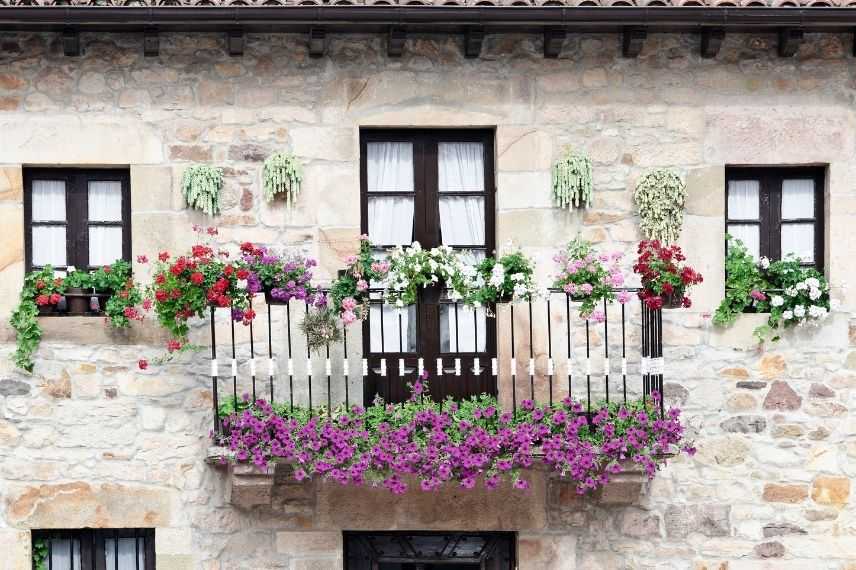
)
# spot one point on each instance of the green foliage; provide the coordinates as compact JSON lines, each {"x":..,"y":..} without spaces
{"x":40,"y":554}
{"x":39,"y":285}
{"x":572,"y":181}
{"x":201,"y":186}
{"x":742,"y":276}
{"x":509,"y":278}
{"x":282,"y":174}
{"x":320,"y":328}
{"x":79,"y":280}
{"x":113,"y":277}
{"x":660,"y":196}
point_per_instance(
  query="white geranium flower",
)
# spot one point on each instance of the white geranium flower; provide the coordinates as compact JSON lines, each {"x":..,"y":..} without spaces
{"x":801,"y":286}
{"x":814,"y":294}
{"x":777,"y":300}
{"x":788,"y":315}
{"x":813,"y":282}
{"x":816,"y":311}
{"x":799,"y":311}
{"x":241,"y":284}
{"x":791,"y":292}
{"x":764,"y":263}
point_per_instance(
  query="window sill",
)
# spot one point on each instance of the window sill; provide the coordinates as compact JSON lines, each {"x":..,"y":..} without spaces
{"x":739,"y":335}
{"x":91,"y":329}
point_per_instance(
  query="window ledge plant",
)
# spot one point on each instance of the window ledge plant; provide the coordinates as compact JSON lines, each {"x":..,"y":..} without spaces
{"x":452,"y":443}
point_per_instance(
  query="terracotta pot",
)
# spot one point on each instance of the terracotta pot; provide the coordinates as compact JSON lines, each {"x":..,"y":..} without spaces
{"x":78,"y":301}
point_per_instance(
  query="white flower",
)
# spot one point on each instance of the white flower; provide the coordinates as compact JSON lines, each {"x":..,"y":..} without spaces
{"x":788,"y":315}
{"x":791,"y":292}
{"x":814,"y":294}
{"x":777,"y":300}
{"x":816,"y":311}
{"x":801,"y":286}
{"x":399,"y":303}
{"x":812,"y":282}
{"x":764,"y":263}
{"x":799,"y":311}
{"x":241,"y":284}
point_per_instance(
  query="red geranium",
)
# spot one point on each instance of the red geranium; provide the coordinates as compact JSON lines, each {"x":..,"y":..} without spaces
{"x":42,"y":300}
{"x":663,"y":276}
{"x":55,"y":298}
{"x":163,"y":256}
{"x":40,"y":284}
{"x":197,"y":278}
{"x":143,"y":363}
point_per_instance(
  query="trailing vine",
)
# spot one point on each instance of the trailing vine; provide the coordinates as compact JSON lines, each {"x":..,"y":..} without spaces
{"x":201,"y":186}
{"x":40,"y":554}
{"x":660,"y":196}
{"x":572,"y":185}
{"x":282,"y":174}
{"x":41,"y":288}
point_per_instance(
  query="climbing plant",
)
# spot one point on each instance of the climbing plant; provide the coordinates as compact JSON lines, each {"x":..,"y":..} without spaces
{"x":201,"y":186}
{"x":282,"y":174}
{"x":572,"y":185}
{"x":660,"y":196}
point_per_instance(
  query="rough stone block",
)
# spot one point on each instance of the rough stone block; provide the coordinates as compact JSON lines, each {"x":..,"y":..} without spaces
{"x":249,"y":487}
{"x":709,"y":520}
{"x":15,"y":545}
{"x":782,"y":397}
{"x":309,"y":543}
{"x":637,"y":523}
{"x":173,"y":541}
{"x":11,"y":184}
{"x":547,"y":551}
{"x":834,"y":491}
{"x":785,"y":493}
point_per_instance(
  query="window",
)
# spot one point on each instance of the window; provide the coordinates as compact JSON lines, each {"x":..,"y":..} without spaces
{"x":777,"y":211}
{"x":435,"y":187}
{"x":429,"y":551}
{"x":78,"y":218}
{"x":113,"y":549}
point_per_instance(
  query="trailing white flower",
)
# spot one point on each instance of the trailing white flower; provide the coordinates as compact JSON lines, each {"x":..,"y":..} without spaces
{"x":799,"y":311}
{"x":788,"y":315}
{"x":282,"y":174}
{"x":777,"y":300}
{"x":201,"y":185}
{"x":572,"y":181}
{"x":660,"y":196}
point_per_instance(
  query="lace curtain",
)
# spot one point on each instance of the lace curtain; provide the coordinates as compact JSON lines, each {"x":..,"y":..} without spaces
{"x":798,"y":203}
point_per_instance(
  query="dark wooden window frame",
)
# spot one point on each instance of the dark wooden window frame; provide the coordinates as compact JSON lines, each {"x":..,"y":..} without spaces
{"x":427,"y":231}
{"x":77,"y":211}
{"x":357,"y":544}
{"x":93,"y":552}
{"x":770,"y":212}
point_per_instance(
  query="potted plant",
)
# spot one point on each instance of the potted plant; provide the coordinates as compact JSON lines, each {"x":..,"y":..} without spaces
{"x":78,"y":290}
{"x":41,"y":293}
{"x":588,"y":277}
{"x":412,"y":268}
{"x":282,"y":278}
{"x":505,"y":280}
{"x":666,"y":279}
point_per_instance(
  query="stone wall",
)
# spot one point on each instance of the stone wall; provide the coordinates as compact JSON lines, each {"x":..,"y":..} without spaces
{"x":88,"y":440}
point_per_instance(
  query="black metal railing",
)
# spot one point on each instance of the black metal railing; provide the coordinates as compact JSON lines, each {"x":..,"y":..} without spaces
{"x":539,"y":350}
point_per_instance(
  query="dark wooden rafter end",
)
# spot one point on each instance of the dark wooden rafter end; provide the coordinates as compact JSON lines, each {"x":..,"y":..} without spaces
{"x":235,"y":42}
{"x":553,"y":40}
{"x":789,"y":41}
{"x":397,"y":37}
{"x":473,"y":41}
{"x":317,"y":42}
{"x":151,"y":42}
{"x":632,"y":40}
{"x":71,"y":42}
{"x":711,"y":41}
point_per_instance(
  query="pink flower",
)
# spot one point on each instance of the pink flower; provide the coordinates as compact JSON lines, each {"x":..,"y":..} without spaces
{"x":597,"y":316}
{"x":570,"y":288}
{"x":351,"y":259}
{"x":349,"y":304}
{"x":586,"y":288}
{"x":758,"y":295}
{"x":624,"y":297}
{"x":362,"y":285}
{"x":147,"y":304}
{"x":349,"y":317}
{"x":142,"y":259}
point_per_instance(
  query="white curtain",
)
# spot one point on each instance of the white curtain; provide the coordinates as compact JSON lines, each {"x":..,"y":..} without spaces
{"x":105,"y":245}
{"x":744,"y":204}
{"x":797,"y":199}
{"x":463,"y":330}
{"x":390,"y":220}
{"x":65,"y":554}
{"x":392,"y":335}
{"x":389,"y":167}
{"x":105,"y":201}
{"x":743,"y":199}
{"x":48,"y":200}
{"x":461,"y":167}
{"x":49,"y":245}
{"x":127,"y":552}
{"x":798,"y":239}
{"x":462,"y":220}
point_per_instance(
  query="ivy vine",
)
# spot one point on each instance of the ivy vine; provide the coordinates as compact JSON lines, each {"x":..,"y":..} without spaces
{"x":201,"y":186}
{"x":572,"y":184}
{"x":282,"y":174}
{"x":660,"y":196}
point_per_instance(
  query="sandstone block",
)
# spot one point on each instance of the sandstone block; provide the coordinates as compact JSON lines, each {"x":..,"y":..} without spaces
{"x":705,"y":191}
{"x":744,"y":424}
{"x":770,"y":550}
{"x":833,"y":491}
{"x":781,"y":529}
{"x":637,"y":523}
{"x":11,"y":184}
{"x":741,"y":402}
{"x":782,"y":397}
{"x":547,"y":552}
{"x":785,"y":493}
{"x":309,"y":543}
{"x":709,"y":520}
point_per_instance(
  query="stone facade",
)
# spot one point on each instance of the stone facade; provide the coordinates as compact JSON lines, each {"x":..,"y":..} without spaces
{"x":88,"y":440}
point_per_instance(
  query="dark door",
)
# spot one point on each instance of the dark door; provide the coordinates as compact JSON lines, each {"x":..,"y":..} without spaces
{"x":429,"y":551}
{"x":435,"y":187}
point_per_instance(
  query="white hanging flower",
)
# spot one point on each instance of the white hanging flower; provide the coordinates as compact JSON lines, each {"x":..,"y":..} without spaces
{"x":788,"y":315}
{"x":799,"y":311}
{"x":764,"y":263}
{"x":777,"y":300}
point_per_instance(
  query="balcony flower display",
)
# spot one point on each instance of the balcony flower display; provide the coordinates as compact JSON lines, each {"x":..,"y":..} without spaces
{"x":794,"y":295}
{"x":188,"y":285}
{"x":413,"y":267}
{"x":666,"y":279}
{"x":454,"y":444}
{"x":507,"y":279}
{"x":589,"y":277}
{"x":282,"y":278}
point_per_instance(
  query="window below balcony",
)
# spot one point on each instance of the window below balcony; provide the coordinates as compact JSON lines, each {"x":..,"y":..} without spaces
{"x":103,"y":549}
{"x":429,"y":551}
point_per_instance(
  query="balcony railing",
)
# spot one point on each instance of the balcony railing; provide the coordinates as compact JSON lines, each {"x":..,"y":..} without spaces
{"x":539,"y":350}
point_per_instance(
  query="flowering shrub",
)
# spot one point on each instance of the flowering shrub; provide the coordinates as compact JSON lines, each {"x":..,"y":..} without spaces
{"x":187,"y":285}
{"x":282,"y":278}
{"x":452,"y":443}
{"x":589,"y":277}
{"x":507,"y":279}
{"x":413,"y":267}
{"x":41,"y":289}
{"x":794,"y":295}
{"x":125,"y":295}
{"x":665,"y":278}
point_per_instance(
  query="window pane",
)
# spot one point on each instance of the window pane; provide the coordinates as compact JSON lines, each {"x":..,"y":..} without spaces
{"x":65,"y":554}
{"x":390,"y":334}
{"x":797,"y":199}
{"x":105,"y":245}
{"x":461,"y":167}
{"x":48,"y":200}
{"x":390,"y":220}
{"x":743,"y":199}
{"x":49,"y":245}
{"x":389,"y":167}
{"x":462,"y":330}
{"x":749,"y":235}
{"x":462,"y":220}
{"x":129,"y":549}
{"x":105,"y":201}
{"x":798,"y":239}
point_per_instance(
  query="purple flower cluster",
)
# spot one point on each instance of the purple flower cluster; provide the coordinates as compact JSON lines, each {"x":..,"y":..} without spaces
{"x":455,"y":443}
